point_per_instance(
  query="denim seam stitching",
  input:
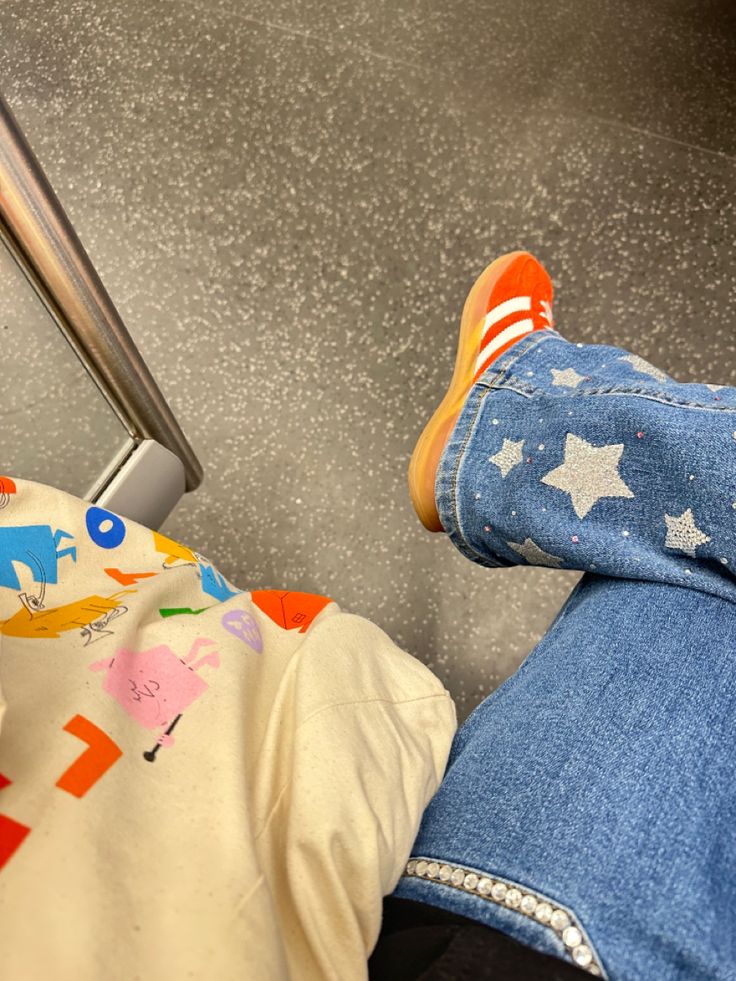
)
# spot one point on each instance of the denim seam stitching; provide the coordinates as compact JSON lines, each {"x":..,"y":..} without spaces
{"x":516,"y":384}
{"x":501,"y":370}
{"x":419,"y":866}
{"x":454,"y":475}
{"x":507,"y":361}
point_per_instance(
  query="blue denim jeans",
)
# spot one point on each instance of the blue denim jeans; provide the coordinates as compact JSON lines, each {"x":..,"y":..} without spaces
{"x":589,"y":804}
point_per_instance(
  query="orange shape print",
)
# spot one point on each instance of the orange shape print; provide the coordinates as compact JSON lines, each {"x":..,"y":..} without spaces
{"x":12,"y":833}
{"x":290,"y":610}
{"x":7,"y":486}
{"x":96,"y":760}
{"x":12,"y":836}
{"x":59,"y":619}
{"x":128,"y":578}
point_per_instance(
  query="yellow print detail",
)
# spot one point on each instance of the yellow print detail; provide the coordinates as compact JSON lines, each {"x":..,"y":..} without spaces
{"x":57,"y":620}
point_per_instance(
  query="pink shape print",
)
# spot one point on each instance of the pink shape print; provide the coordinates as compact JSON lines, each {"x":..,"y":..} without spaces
{"x":244,"y":626}
{"x":154,"y":686}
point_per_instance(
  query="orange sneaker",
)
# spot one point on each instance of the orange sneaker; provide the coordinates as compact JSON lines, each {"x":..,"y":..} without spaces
{"x":511,"y":298}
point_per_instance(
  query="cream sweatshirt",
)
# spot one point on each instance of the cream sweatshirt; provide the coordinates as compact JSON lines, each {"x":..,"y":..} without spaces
{"x":195,"y":781}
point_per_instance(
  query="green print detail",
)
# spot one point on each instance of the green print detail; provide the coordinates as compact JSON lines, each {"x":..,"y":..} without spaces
{"x":177,"y":611}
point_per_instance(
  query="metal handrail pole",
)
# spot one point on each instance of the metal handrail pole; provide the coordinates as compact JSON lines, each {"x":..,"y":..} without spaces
{"x":41,"y":233}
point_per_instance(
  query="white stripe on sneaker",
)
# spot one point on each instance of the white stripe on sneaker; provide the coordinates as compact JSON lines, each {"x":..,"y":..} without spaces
{"x":510,"y":333}
{"x":519,"y":304}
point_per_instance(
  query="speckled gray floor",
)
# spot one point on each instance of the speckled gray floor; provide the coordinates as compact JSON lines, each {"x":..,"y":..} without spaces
{"x":288,"y":202}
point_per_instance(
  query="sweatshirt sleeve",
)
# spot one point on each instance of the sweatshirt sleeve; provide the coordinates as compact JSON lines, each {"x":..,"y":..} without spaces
{"x":356,"y":747}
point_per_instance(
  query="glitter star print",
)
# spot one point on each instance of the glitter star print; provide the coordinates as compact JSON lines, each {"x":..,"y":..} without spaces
{"x":534,"y":554}
{"x":643,"y":367}
{"x":588,"y":473}
{"x":683,"y":534}
{"x":569,"y":378}
{"x":508,"y":456}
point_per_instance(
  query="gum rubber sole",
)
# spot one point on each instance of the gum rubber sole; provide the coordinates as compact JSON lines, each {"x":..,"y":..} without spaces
{"x":428,"y":450}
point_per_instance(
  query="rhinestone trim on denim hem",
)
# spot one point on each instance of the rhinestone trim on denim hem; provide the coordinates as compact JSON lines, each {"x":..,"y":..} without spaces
{"x":533,"y":905}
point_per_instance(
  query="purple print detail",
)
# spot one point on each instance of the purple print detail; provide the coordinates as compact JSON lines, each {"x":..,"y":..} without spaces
{"x":244,"y":625}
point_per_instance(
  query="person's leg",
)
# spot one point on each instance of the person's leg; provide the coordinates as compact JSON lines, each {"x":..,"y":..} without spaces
{"x":588,"y":805}
{"x":586,"y":457}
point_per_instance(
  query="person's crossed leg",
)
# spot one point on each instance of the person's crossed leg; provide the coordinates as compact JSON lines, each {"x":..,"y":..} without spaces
{"x":588,"y":805}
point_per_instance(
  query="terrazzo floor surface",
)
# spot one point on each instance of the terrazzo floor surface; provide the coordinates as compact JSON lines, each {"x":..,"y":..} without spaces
{"x":288,"y":203}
